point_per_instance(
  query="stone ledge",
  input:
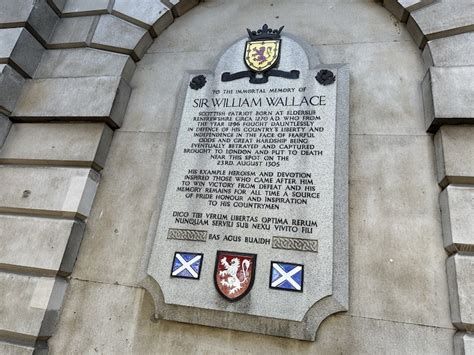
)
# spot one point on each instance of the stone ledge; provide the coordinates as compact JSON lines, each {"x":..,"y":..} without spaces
{"x":401,"y":8}
{"x":60,"y":144}
{"x":454,"y":149}
{"x":47,"y":192}
{"x":30,"y":306}
{"x":40,"y":246}
{"x":11,"y":83}
{"x":432,"y":22}
{"x":120,"y":36}
{"x":15,"y":349}
{"x":20,"y":50}
{"x":450,"y":51}
{"x":463,"y":343}
{"x":5,"y":125}
{"x":84,"y":62}
{"x":447,"y":96}
{"x":457,"y":210}
{"x":151,"y":15}
{"x":101,"y":99}
{"x":460,"y":268}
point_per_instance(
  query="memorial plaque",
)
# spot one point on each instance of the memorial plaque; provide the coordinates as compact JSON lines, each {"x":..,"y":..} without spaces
{"x":253,"y":227}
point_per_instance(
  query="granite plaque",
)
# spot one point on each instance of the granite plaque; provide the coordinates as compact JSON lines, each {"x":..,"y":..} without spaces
{"x":252,"y":232}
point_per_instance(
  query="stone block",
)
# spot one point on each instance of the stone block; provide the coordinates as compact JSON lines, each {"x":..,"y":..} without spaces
{"x":151,"y":14}
{"x":454,"y":149}
{"x":10,"y":86}
{"x":450,"y":51}
{"x":30,"y":306}
{"x":441,"y":19}
{"x":64,"y":144}
{"x":41,"y":246}
{"x":47,"y":191}
{"x":73,"y":32}
{"x":464,"y":343}
{"x":457,"y":209}
{"x":180,"y":7}
{"x":85,"y":99}
{"x":460,"y":268}
{"x":81,"y":62}
{"x":120,"y":36}
{"x":36,"y":15}
{"x":20,"y":49}
{"x":15,"y":349}
{"x":86,"y":7}
{"x":5,"y":125}
{"x":447,"y":96}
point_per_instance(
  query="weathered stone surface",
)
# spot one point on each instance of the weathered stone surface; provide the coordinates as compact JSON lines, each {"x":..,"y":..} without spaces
{"x":36,"y":15}
{"x":182,"y":6}
{"x":30,"y":306}
{"x":14,"y":349}
{"x":310,"y":22}
{"x":152,"y":15}
{"x":73,"y":32}
{"x":5,"y":125}
{"x":399,"y":207}
{"x":441,"y":19}
{"x":121,"y":314}
{"x":39,"y":245}
{"x":10,"y":86}
{"x":113,"y":215}
{"x":96,"y":98}
{"x":68,"y":144}
{"x":15,"y":13}
{"x":457,"y":209}
{"x":86,"y":7}
{"x":20,"y":49}
{"x":48,"y":191}
{"x":450,"y":51}
{"x":454,"y":149}
{"x":447,"y":96}
{"x":84,"y":62}
{"x":464,"y":343}
{"x":120,"y":36}
{"x":460,"y":268}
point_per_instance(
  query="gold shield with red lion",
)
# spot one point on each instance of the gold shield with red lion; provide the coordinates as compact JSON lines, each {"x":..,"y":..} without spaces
{"x":262,"y":55}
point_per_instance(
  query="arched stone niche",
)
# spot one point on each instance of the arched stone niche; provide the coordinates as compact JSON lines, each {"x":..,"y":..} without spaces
{"x":377,"y":52}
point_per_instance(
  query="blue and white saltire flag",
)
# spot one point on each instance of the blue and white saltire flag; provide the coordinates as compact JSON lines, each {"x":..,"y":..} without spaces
{"x":286,"y":276}
{"x":186,"y":265}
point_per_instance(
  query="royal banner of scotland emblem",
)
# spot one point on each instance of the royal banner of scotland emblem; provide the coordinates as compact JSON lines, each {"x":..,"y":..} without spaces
{"x":286,"y":276}
{"x":186,"y":265}
{"x":234,"y":274}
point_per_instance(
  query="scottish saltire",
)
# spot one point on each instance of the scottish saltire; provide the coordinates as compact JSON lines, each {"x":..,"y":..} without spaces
{"x":286,"y":276}
{"x":187,"y":265}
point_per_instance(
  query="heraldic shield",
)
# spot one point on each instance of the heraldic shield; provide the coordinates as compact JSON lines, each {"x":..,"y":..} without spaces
{"x":234,"y":274}
{"x":262,"y":55}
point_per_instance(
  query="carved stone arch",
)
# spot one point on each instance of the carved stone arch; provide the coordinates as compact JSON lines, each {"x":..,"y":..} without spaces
{"x":97,"y":87}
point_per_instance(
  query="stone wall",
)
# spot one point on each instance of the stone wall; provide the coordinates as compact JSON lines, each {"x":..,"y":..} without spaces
{"x":67,"y":83}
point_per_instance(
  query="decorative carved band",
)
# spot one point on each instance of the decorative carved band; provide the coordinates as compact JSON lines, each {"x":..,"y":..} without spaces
{"x":295,"y":244}
{"x":187,"y":234}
